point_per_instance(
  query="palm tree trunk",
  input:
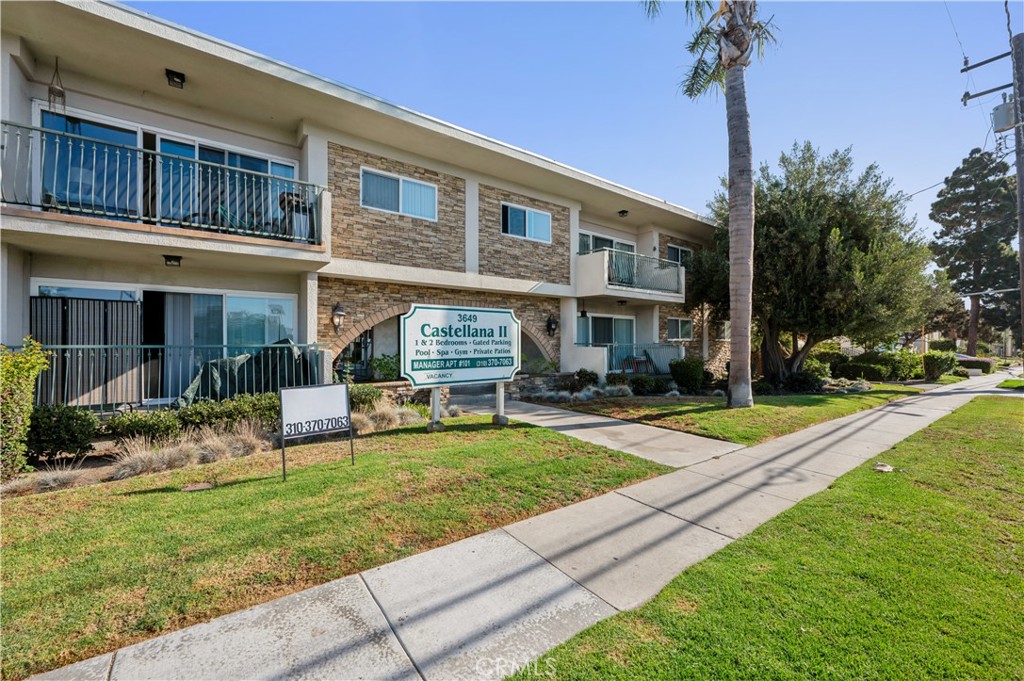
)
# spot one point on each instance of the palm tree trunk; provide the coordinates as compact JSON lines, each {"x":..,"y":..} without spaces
{"x":741,"y":236}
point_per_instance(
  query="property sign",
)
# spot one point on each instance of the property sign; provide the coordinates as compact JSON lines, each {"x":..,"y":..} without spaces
{"x":459,"y":345}
{"x":315,"y":410}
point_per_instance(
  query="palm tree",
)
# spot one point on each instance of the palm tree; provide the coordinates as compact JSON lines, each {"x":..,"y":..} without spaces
{"x":725,"y":39}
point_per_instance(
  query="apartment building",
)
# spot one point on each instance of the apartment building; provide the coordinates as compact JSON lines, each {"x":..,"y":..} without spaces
{"x":169,"y":199}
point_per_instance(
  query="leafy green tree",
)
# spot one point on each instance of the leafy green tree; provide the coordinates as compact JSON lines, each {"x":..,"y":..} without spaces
{"x":976,"y":213}
{"x":834,"y":255}
{"x":727,"y":34}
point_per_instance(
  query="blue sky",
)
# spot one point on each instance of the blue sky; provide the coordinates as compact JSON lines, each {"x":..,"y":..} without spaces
{"x":595,"y":85}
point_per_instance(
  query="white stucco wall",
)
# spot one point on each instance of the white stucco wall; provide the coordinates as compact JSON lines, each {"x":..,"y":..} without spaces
{"x":385,"y":337}
{"x":14,"y":281}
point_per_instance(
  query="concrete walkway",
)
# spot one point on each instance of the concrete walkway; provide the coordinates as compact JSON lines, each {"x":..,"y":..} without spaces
{"x":481,"y":607}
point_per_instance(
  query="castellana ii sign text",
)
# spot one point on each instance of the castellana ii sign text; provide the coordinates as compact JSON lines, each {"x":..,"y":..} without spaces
{"x":459,"y":345}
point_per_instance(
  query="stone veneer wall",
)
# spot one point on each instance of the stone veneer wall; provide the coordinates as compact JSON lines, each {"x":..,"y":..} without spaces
{"x":361,"y":233}
{"x":718,"y":350}
{"x":367,"y":303}
{"x":509,"y":256}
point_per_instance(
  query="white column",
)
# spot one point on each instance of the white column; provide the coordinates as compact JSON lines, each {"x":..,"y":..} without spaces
{"x":307,"y":312}
{"x":435,"y":425}
{"x":472,"y":226}
{"x":567,"y":331}
{"x":704,"y":332}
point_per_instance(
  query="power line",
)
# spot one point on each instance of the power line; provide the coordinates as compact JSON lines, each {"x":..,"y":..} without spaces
{"x":950,"y":15}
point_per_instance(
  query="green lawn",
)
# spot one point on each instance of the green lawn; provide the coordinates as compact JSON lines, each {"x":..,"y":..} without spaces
{"x":87,"y":570}
{"x":1012,"y":384}
{"x":910,"y":575}
{"x":949,"y":379}
{"x":770,"y":417}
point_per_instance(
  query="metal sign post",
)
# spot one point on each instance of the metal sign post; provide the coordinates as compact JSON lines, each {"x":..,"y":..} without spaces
{"x":315,"y":410}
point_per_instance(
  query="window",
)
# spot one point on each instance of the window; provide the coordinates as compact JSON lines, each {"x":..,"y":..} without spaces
{"x":723,"y":330}
{"x":259,"y":321}
{"x":681,"y":255}
{"x":595,"y":242}
{"x":398,"y":195}
{"x":525,"y":222}
{"x":680,"y":329}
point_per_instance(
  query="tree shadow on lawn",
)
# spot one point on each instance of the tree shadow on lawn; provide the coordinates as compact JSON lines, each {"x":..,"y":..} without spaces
{"x":166,"y":489}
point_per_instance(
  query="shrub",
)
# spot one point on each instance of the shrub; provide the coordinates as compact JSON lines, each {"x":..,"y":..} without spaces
{"x":982,"y":349}
{"x":816,"y":367}
{"x":987,"y":366}
{"x":58,"y":428}
{"x":641,"y":384}
{"x":574,"y":383}
{"x":688,"y":373}
{"x":383,"y":416}
{"x":762,"y":388}
{"x":902,"y":364}
{"x":57,"y":477}
{"x":618,"y":391}
{"x":830,"y":357}
{"x":140,"y":455}
{"x":960,"y":372}
{"x":452,"y":411}
{"x":386,"y":367}
{"x":616,"y":378}
{"x":804,"y":382}
{"x":263,"y":408}
{"x":361,"y":395}
{"x":937,"y":363}
{"x":160,"y":424}
{"x":856,"y":370}
{"x":943,"y":345}
{"x":18,"y":372}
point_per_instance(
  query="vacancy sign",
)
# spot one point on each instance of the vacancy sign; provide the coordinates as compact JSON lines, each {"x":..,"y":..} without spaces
{"x":459,"y":345}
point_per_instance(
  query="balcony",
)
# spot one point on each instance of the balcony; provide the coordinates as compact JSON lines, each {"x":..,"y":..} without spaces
{"x":608,"y":272}
{"x":70,"y":174}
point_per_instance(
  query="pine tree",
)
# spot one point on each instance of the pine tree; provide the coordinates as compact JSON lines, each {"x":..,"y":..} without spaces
{"x":976,"y":212}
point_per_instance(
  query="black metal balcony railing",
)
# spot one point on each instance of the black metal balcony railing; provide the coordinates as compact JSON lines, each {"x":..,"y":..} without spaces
{"x":68,"y":173}
{"x":107,"y":377}
{"x":644,"y":272}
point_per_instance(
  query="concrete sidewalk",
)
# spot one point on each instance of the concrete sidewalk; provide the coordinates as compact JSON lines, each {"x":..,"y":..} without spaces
{"x":481,"y":607}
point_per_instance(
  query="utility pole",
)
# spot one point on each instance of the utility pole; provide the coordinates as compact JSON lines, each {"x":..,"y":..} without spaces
{"x":1016,"y":55}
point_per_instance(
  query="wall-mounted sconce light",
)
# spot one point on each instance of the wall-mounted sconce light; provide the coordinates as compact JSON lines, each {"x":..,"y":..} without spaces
{"x":172,"y":260}
{"x":622,"y":303}
{"x":175,"y":78}
{"x":337,"y":318}
{"x":623,"y":213}
{"x":552,"y":326}
{"x":583,"y":309}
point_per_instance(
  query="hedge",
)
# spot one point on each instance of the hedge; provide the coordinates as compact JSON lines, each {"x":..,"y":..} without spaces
{"x":688,"y":373}
{"x":642,"y":384}
{"x":937,"y":363}
{"x":18,"y":372}
{"x":60,"y":429}
{"x":987,"y":366}
{"x":159,"y":424}
{"x":943,"y":345}
{"x":856,"y":370}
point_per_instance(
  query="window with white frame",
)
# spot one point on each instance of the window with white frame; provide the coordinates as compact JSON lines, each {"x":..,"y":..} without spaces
{"x":680,"y":254}
{"x":525,"y":222}
{"x":396,"y":194}
{"x":590,"y":242}
{"x":723,"y":331}
{"x":680,"y":329}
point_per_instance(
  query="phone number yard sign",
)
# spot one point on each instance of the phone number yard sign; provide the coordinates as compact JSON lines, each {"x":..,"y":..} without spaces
{"x":459,"y":345}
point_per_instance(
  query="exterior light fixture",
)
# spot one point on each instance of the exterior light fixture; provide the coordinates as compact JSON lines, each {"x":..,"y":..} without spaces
{"x":623,"y":213}
{"x":175,"y":78}
{"x":337,"y":318}
{"x":583,"y":309}
{"x":622,"y":303}
{"x":172,"y":260}
{"x":552,"y":326}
